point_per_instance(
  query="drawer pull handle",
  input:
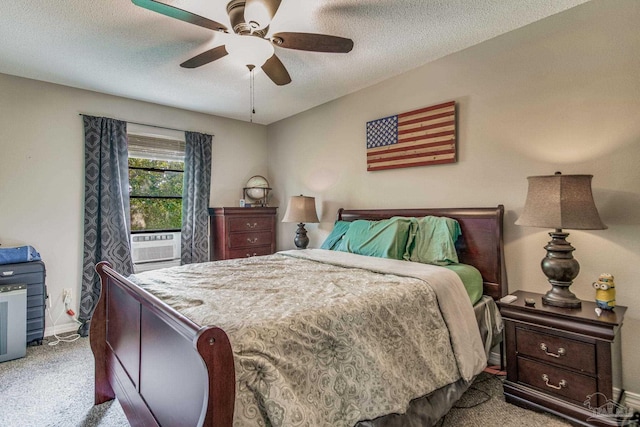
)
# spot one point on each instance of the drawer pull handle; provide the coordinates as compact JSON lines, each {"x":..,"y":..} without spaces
{"x":561,"y":384}
{"x":252,"y":239}
{"x":561,"y":351}
{"x":254,"y":225}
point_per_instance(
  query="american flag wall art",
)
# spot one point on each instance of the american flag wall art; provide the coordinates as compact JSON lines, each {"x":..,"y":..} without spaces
{"x":417,"y":138}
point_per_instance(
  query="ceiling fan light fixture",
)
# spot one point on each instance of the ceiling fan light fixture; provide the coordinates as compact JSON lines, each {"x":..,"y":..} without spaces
{"x":259,"y":13}
{"x":249,"y":50}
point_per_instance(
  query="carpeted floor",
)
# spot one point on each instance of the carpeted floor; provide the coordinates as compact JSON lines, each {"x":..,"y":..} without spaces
{"x":483,"y":405}
{"x":53,"y":386}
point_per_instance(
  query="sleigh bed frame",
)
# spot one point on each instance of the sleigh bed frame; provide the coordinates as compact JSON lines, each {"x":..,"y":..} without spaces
{"x":142,"y":347}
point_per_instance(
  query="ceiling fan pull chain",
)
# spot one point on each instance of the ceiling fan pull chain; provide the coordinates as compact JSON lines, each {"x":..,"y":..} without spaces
{"x":252,"y":109}
{"x":251,"y":94}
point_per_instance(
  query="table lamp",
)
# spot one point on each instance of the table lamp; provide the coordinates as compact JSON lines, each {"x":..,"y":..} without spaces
{"x":560,"y":202}
{"x":301,"y":209}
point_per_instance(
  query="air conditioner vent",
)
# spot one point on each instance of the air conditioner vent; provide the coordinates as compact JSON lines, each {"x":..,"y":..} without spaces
{"x":154,"y":247}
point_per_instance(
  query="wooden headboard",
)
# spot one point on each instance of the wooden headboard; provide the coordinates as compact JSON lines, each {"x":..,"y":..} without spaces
{"x":480,"y":245}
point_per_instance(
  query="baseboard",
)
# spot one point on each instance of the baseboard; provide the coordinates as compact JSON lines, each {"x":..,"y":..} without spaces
{"x":631,"y":399}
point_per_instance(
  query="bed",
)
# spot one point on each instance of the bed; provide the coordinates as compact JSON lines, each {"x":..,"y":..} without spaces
{"x":165,"y":369}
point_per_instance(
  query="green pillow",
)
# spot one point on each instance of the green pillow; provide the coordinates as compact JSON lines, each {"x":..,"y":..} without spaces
{"x":433,"y":241}
{"x":384,"y":239}
{"x":334,"y":238}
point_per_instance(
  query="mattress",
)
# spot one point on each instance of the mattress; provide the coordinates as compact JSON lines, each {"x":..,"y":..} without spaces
{"x":323,"y":338}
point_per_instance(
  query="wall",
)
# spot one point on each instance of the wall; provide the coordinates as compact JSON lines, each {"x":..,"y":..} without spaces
{"x":42,"y":168}
{"x":560,"y":94}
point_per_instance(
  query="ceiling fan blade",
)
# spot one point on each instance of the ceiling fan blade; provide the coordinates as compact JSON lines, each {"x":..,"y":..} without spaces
{"x":205,"y":57}
{"x":313,"y":42}
{"x":180,"y":14}
{"x":276,"y":71}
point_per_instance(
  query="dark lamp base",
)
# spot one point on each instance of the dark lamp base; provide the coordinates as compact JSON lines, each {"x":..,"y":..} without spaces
{"x":301,"y":240}
{"x":561,"y":268}
{"x":559,"y":296}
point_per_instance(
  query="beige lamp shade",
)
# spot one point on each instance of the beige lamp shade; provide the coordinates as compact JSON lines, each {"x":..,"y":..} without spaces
{"x":301,"y":209}
{"x":561,"y":201}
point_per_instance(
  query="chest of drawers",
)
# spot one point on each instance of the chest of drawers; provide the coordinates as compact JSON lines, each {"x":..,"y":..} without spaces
{"x":242,"y":232}
{"x":560,"y":360}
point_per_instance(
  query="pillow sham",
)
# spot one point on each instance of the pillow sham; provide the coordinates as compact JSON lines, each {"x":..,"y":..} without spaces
{"x":386,"y":238}
{"x":433,"y":241}
{"x":333,"y":239}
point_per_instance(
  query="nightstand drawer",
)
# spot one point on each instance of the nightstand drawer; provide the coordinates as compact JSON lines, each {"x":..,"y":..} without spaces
{"x":250,"y":223}
{"x":556,"y":381}
{"x":244,"y":240}
{"x":559,"y":350}
{"x":250,"y":252}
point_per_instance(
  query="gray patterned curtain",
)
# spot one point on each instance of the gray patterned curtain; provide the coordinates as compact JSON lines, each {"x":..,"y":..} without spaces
{"x":195,"y":198}
{"x":106,"y":207}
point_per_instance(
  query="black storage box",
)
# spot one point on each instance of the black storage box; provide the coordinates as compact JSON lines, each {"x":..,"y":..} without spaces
{"x":33,"y":275}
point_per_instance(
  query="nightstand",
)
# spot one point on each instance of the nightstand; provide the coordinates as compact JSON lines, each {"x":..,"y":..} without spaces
{"x":560,"y":360}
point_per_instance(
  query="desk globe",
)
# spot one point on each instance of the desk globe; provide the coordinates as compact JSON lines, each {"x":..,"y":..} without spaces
{"x":257,"y":190}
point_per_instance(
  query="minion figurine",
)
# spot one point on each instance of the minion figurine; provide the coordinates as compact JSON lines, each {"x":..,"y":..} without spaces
{"x":605,"y":292}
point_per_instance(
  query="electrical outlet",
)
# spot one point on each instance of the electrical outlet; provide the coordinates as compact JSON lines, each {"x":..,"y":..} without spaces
{"x":66,"y":296}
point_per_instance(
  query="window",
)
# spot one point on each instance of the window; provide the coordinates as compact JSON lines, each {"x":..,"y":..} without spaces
{"x":156,"y":170}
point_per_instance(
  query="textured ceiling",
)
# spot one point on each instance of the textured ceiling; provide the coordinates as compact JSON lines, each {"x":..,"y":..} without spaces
{"x":118,"y":48}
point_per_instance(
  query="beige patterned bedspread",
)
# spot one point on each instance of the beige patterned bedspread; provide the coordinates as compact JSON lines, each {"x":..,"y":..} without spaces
{"x":321,"y":340}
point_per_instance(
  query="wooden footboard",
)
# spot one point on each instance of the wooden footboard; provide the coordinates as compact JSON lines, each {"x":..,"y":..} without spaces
{"x":164,"y":369}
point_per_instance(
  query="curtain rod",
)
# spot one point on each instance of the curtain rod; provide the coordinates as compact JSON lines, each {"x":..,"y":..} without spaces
{"x":153,"y":126}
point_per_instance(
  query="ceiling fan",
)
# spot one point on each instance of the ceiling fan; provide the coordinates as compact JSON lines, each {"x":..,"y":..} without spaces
{"x":250,"y":21}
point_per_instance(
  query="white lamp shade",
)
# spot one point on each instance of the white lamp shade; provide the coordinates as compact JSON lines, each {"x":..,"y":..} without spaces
{"x":561,"y":201}
{"x":258,"y":13}
{"x":301,"y":209}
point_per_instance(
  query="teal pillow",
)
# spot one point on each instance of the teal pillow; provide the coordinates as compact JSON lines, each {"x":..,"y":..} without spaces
{"x":334,"y":238}
{"x":433,"y":241}
{"x":384,"y":239}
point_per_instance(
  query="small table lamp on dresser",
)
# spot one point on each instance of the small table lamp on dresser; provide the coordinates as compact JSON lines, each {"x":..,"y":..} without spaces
{"x":301,"y":209}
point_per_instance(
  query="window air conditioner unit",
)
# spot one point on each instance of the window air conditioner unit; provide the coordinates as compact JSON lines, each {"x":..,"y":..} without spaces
{"x":155,"y":247}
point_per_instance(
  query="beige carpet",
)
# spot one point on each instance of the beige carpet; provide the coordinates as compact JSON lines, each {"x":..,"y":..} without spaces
{"x":53,"y":386}
{"x":483,"y":405}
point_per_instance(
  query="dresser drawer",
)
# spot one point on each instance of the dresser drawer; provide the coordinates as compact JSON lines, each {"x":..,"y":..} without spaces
{"x":554,"y":349}
{"x":249,"y":252}
{"x":556,"y":381}
{"x":250,"y":223}
{"x":244,"y":240}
